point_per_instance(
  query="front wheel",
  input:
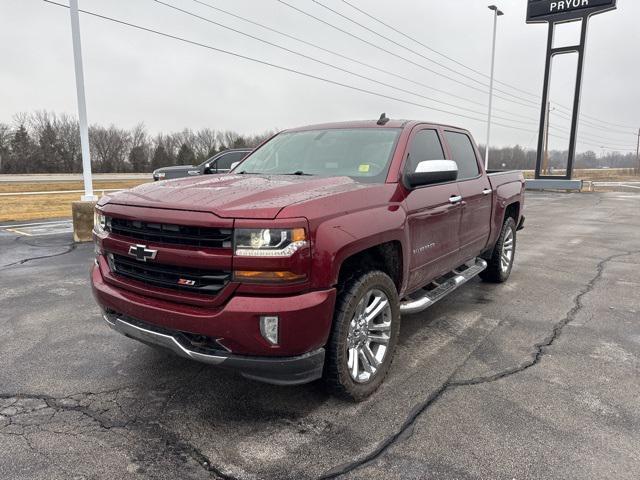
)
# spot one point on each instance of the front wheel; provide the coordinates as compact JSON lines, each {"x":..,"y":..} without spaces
{"x":365,"y":332}
{"x":500,"y":263}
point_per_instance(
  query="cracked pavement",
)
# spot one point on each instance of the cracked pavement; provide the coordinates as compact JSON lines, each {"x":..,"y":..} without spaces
{"x":536,"y":378}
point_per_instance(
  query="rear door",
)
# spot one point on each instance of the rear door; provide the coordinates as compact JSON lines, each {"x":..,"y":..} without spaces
{"x":475,"y":189}
{"x":433,"y":215}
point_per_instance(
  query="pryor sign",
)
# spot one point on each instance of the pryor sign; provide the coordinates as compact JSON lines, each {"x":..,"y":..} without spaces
{"x":563,"y":10}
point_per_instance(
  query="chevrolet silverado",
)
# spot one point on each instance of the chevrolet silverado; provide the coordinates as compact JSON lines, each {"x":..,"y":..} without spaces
{"x":298,"y":264}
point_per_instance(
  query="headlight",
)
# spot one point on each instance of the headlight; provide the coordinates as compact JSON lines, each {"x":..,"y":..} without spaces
{"x":101,"y":223}
{"x":269,"y":242}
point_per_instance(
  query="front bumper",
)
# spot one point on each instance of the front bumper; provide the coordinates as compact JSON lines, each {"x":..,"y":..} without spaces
{"x":304,"y":326}
{"x":275,"y":370}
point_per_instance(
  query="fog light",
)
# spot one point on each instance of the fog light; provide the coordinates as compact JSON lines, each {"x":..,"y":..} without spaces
{"x":269,"y":328}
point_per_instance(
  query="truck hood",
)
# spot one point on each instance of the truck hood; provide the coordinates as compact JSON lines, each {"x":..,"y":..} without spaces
{"x":235,"y":196}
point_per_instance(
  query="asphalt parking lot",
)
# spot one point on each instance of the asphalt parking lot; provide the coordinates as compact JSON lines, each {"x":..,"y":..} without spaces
{"x":536,"y":378}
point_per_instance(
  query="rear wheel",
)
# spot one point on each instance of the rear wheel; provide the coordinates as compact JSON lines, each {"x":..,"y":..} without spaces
{"x":500,"y":263}
{"x":364,"y":335}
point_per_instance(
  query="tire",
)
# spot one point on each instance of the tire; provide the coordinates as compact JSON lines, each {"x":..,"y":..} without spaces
{"x":500,"y":263}
{"x":362,"y":340}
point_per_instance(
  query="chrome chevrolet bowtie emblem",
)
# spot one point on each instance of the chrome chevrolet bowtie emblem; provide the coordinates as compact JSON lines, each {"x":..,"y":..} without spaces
{"x":142,"y":253}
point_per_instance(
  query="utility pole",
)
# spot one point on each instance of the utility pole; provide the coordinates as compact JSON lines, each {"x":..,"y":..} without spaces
{"x":545,"y":159}
{"x":496,"y":13}
{"x":82,"y":104}
{"x":638,"y":155}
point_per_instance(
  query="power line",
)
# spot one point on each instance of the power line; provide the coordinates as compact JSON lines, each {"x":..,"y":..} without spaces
{"x":276,"y":66}
{"x":359,"y":62}
{"x":419,"y":65}
{"x":355,"y":22}
{"x":327,"y":64}
{"x":537,"y":97}
{"x":597,"y":145}
{"x":287,"y":69}
{"x":591,"y":123}
{"x":431,"y":49}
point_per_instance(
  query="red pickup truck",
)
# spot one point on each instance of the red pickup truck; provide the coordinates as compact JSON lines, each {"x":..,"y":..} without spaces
{"x":298,"y":264}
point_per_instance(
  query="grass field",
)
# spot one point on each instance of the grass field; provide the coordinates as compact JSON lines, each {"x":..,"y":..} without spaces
{"x":36,"y":207}
{"x":597,"y":174}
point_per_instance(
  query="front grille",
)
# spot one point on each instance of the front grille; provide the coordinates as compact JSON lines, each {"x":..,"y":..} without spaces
{"x":195,"y":280}
{"x":211,"y":237}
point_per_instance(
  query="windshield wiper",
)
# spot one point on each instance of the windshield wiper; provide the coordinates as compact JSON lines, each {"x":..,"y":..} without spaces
{"x":299,"y":172}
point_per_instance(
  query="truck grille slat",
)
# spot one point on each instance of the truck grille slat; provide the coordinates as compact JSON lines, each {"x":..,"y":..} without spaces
{"x":211,"y":237}
{"x":195,"y":280}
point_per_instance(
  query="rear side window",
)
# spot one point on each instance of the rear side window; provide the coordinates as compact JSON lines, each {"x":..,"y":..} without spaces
{"x":424,"y":146}
{"x":463,"y":154}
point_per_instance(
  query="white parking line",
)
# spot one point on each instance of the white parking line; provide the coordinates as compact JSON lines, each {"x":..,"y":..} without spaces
{"x":12,"y":230}
{"x":56,"y":222}
{"x":39,"y":229}
{"x":56,"y":192}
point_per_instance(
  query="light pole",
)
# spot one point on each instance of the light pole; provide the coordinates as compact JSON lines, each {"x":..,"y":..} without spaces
{"x":496,"y":13}
{"x":82,"y":104}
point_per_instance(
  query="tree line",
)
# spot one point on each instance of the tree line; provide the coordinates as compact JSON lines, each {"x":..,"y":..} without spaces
{"x":44,"y":142}
{"x":519,"y":158}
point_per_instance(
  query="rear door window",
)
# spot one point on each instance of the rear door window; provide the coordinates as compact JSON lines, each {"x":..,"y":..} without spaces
{"x":463,"y":154}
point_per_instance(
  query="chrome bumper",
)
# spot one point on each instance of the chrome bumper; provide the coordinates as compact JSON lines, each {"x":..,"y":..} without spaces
{"x":275,"y":370}
{"x":166,"y":341}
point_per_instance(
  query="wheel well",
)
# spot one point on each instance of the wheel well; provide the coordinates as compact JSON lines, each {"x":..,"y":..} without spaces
{"x":513,"y":211}
{"x":386,"y":257}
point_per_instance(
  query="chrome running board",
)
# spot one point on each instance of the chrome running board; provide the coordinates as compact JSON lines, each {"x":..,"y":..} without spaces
{"x":436,"y":290}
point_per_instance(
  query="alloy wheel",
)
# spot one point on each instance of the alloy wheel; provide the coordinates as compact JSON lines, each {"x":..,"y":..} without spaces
{"x":507,"y":250}
{"x":369,"y":335}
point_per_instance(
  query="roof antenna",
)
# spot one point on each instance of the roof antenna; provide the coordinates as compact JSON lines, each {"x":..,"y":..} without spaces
{"x":383,"y":119}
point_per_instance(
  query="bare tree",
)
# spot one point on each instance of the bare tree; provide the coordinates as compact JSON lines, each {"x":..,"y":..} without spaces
{"x":5,"y":149}
{"x":206,"y":144}
{"x":109,"y":147}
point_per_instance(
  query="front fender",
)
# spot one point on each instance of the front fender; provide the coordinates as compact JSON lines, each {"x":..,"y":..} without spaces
{"x":339,"y":238}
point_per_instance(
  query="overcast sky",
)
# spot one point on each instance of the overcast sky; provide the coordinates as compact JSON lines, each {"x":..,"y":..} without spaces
{"x":133,"y":76}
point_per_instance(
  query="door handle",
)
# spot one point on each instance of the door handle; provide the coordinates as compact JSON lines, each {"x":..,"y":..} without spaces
{"x":193,"y":172}
{"x":455,"y":199}
{"x":486,"y":191}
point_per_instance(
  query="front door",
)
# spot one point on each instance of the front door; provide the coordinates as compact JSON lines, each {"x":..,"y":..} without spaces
{"x":433,"y":215}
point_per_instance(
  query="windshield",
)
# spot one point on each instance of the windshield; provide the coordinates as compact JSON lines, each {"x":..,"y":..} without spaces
{"x":362,"y":153}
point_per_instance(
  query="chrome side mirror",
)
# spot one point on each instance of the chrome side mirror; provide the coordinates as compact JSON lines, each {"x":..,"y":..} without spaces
{"x":432,"y":171}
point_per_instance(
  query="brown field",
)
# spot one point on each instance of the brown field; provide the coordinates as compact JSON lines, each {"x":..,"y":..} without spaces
{"x":598,"y":174}
{"x":35,"y":207}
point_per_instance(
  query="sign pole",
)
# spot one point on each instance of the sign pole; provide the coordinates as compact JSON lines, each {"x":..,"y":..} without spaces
{"x":638,"y":154}
{"x":554,"y":13}
{"x":496,"y":14}
{"x":82,"y":105}
{"x":545,"y":101}
{"x":576,"y":99}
